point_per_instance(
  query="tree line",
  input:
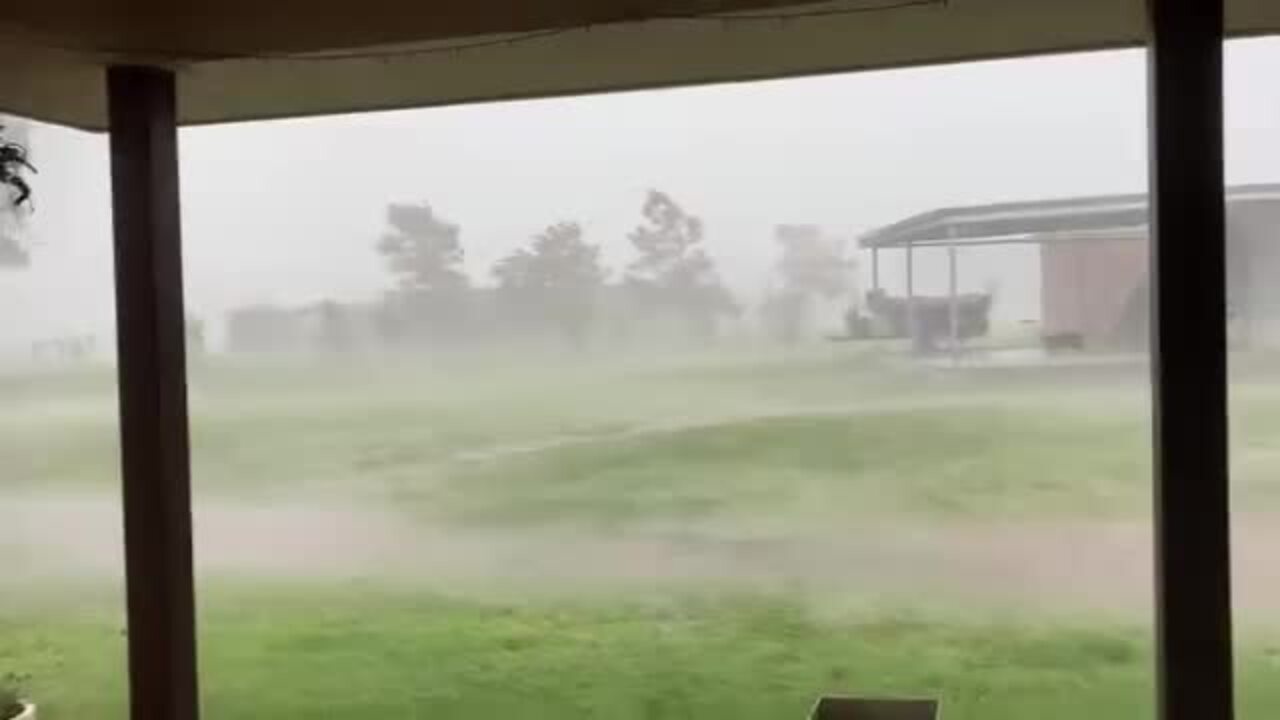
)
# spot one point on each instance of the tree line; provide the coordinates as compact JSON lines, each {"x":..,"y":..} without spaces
{"x":556,"y":283}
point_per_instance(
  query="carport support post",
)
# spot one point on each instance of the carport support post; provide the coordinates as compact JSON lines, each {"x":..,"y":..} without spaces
{"x":154,"y":444}
{"x":875,"y":268}
{"x":911,"y":296}
{"x":952,"y":298}
{"x":1189,"y":361}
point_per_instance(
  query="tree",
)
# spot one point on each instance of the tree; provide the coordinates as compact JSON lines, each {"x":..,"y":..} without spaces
{"x":809,"y":267}
{"x":673,"y":270}
{"x":422,"y":250}
{"x":810,"y":263}
{"x":424,"y":254}
{"x":555,"y":281}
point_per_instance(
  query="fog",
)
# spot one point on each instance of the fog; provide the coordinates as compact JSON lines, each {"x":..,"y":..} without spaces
{"x":289,"y":212}
{"x":477,"y":427}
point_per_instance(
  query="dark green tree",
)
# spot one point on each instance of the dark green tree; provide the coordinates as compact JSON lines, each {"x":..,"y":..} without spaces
{"x":553,"y":283}
{"x":422,"y":250}
{"x":424,"y":254}
{"x":673,"y":270}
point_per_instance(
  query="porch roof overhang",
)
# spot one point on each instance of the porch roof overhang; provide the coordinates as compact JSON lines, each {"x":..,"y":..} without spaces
{"x":257,"y":59}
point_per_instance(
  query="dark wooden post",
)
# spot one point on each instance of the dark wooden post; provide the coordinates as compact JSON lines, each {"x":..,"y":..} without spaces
{"x":154,"y":440}
{"x":1189,"y":361}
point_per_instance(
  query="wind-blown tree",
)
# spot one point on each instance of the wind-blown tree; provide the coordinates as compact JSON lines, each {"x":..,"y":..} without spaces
{"x":424,"y":254}
{"x":811,"y":263}
{"x":809,"y":267}
{"x":673,"y":271}
{"x":423,"y":251}
{"x":554,"y":283}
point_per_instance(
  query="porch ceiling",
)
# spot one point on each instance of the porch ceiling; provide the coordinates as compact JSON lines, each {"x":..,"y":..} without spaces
{"x":242,"y":60}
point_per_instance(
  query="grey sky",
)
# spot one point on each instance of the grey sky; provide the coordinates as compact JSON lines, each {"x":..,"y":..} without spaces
{"x":289,"y":211}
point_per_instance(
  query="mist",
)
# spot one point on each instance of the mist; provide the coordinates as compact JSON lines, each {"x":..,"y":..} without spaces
{"x":590,"y":407}
{"x":289,"y":211}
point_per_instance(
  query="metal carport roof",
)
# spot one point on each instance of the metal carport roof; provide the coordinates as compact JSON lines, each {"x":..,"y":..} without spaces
{"x":961,"y":225}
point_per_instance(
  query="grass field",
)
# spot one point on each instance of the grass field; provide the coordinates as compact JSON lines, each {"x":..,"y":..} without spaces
{"x":721,"y":536}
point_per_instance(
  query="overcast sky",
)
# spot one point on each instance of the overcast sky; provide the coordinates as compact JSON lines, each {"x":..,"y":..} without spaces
{"x":289,"y":211}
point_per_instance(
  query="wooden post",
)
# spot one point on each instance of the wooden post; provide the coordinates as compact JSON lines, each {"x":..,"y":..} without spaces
{"x":954,"y":301}
{"x":154,"y":442}
{"x":875,"y":268}
{"x":1189,"y":361}
{"x":911,"y":298}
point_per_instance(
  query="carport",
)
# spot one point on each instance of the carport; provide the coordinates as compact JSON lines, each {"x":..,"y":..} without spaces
{"x":1115,"y":224}
{"x":139,"y":69}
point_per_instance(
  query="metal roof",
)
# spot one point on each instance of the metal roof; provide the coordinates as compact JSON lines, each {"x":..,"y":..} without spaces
{"x":1037,"y":221}
{"x":253,"y":59}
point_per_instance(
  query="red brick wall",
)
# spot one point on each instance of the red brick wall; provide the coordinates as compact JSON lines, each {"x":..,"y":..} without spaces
{"x":1086,"y":284}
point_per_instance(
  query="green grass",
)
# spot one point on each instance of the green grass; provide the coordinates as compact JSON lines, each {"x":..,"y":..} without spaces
{"x":801,"y":443}
{"x":713,"y":658}
{"x":345,"y":650}
{"x":819,"y":470}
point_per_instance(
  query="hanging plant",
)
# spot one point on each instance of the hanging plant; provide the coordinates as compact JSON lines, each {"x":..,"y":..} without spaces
{"x":13,"y":163}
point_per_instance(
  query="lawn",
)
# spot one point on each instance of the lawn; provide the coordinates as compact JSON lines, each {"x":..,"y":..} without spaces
{"x":330,"y":651}
{"x":715,"y":536}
